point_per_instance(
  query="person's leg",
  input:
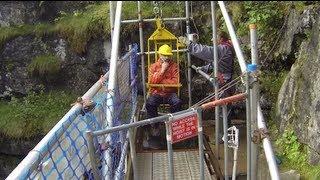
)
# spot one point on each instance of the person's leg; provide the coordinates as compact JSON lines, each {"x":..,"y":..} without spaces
{"x":230,"y":109}
{"x":227,"y":93}
{"x":174,"y":102}
{"x":152,"y":105}
{"x":224,"y":94}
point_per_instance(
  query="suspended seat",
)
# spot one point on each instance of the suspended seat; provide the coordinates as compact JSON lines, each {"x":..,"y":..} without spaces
{"x":160,"y":37}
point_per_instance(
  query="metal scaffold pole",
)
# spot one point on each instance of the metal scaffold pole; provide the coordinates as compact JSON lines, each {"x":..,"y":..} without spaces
{"x":225,"y":132}
{"x":200,"y":139}
{"x":170,"y":150}
{"x":254,"y":99}
{"x":215,"y":65}
{"x":111,"y":87}
{"x":143,"y":72}
{"x":111,"y":9}
{"x":188,"y":53}
{"x":248,"y":123}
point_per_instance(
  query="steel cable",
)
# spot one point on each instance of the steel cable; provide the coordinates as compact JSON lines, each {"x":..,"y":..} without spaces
{"x":220,"y":91}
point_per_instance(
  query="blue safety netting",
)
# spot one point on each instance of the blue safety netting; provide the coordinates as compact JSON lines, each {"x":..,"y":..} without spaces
{"x":64,"y":153}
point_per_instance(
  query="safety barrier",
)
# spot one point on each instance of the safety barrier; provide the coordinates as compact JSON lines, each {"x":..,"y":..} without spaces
{"x":179,"y":126}
{"x":63,"y":152}
{"x":192,"y":116}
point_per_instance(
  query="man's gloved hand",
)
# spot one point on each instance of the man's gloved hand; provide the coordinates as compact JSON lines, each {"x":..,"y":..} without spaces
{"x":184,"y":41}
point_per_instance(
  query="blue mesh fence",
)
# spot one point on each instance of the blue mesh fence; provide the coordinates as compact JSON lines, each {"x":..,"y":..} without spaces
{"x":125,"y":104}
{"x":63,"y":153}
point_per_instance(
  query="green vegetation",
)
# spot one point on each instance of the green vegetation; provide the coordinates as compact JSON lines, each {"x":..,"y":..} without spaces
{"x":7,"y":33}
{"x":268,"y":16}
{"x":46,"y":66}
{"x":294,"y":155}
{"x":44,"y":29}
{"x":271,"y":84}
{"x":79,"y":27}
{"x":34,"y":114}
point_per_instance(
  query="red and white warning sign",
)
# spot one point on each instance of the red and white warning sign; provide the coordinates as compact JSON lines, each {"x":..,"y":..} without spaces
{"x":184,"y":128}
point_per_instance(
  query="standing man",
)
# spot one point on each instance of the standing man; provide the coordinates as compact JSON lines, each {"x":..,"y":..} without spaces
{"x":225,"y":62}
{"x":163,"y":71}
{"x":225,"y":57}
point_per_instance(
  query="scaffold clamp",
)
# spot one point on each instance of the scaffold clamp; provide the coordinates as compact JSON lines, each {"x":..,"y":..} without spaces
{"x":259,"y":134}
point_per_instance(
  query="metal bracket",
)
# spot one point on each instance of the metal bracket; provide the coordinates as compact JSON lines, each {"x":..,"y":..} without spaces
{"x":254,"y":77}
{"x":259,"y":134}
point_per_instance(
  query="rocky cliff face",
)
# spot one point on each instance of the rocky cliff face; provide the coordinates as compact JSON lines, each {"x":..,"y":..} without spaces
{"x":77,"y":71}
{"x":298,"y":104}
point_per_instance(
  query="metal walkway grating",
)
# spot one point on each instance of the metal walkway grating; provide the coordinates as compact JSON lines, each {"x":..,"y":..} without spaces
{"x":154,"y":165}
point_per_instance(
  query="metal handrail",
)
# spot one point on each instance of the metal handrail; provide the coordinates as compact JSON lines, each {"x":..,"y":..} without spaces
{"x":166,"y":119}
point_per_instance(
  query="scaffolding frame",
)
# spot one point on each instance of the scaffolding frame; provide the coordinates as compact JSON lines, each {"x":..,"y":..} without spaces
{"x":256,"y":114}
{"x":255,"y":117}
{"x":259,"y":121}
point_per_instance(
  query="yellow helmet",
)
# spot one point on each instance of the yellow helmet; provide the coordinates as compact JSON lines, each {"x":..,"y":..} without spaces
{"x":165,"y":50}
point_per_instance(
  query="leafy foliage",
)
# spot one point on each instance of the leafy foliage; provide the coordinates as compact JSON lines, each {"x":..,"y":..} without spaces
{"x":270,"y":85}
{"x":267,"y":16}
{"x":34,"y":114}
{"x":290,"y":148}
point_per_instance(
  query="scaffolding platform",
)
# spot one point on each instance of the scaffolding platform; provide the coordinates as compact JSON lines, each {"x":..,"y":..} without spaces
{"x":154,"y":165}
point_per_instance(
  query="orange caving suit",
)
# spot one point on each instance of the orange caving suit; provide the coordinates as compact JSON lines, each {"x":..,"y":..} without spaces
{"x":170,"y":76}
